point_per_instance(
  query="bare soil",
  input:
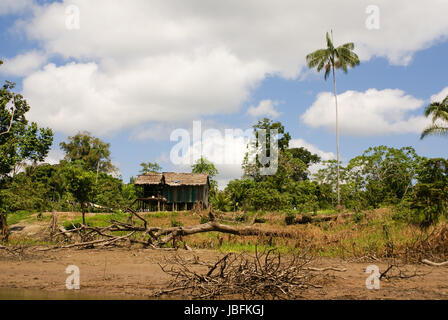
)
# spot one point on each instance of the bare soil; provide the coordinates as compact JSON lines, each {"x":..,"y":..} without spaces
{"x":125,"y":273}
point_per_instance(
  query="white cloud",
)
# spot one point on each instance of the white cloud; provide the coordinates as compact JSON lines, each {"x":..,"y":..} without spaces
{"x":85,"y":96}
{"x":297,"y":143}
{"x":23,"y":64}
{"x":373,"y":112}
{"x":439,"y":97}
{"x":156,"y":132}
{"x":54,"y":156}
{"x":227,"y":154}
{"x":14,"y":6}
{"x":226,"y":150}
{"x":264,"y":108}
{"x":167,"y":60}
{"x":324,"y":156}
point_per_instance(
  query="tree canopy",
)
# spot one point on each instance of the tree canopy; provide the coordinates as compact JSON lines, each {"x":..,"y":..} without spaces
{"x":153,"y":167}
{"x":94,"y":152}
{"x":19,"y":140}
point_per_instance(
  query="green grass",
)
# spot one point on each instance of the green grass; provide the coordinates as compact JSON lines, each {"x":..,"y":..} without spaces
{"x":162,"y":214}
{"x":19,"y":216}
{"x":98,"y":220}
{"x":327,"y":212}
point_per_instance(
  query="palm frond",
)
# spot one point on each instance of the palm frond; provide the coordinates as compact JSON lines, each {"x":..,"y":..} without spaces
{"x":434,"y":130}
{"x":329,"y":42}
{"x":445,"y":101}
{"x":439,"y":111}
{"x":315,"y":58}
{"x":327,"y":71}
{"x":431,"y":108}
{"x":349,"y":57}
{"x":339,"y":58}
{"x":349,"y":46}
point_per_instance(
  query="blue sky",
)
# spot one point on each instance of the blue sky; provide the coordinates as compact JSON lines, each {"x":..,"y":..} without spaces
{"x":137,"y":71}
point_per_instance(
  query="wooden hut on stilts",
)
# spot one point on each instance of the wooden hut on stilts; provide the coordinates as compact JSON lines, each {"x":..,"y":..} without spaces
{"x":173,"y":191}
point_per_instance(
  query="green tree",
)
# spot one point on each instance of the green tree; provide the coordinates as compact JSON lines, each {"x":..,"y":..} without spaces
{"x":252,"y":168}
{"x":22,"y":193}
{"x":19,"y":140}
{"x":238,"y":191}
{"x":330,"y":59}
{"x":81,"y":184}
{"x":383,"y":174}
{"x":265,"y":197}
{"x":109,"y":191}
{"x":430,"y":200}
{"x":327,"y":177}
{"x":306,"y":158}
{"x":202,"y":165}
{"x":439,"y":113}
{"x":221,"y":201}
{"x":150,"y":167}
{"x":92,"y":151}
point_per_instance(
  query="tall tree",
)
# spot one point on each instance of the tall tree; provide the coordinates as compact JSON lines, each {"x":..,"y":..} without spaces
{"x":94,"y":152}
{"x":307,"y":159}
{"x":80,"y":183}
{"x":19,"y":139}
{"x":202,"y":165}
{"x":439,"y":113}
{"x":152,"y":167}
{"x":330,"y":59}
{"x":251,"y":164}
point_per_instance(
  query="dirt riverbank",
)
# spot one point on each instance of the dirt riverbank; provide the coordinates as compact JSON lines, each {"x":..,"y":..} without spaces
{"x":135,"y":273}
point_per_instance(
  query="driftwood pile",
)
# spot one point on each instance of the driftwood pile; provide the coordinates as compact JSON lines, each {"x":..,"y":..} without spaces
{"x":136,"y":230}
{"x":260,"y":276}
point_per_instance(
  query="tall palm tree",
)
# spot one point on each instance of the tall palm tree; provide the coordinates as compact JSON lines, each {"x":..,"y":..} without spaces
{"x":439,"y":112}
{"x":330,"y":59}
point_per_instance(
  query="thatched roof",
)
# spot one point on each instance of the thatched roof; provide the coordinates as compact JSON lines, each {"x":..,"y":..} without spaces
{"x":173,"y":179}
{"x":185,"y":179}
{"x":149,"y":178}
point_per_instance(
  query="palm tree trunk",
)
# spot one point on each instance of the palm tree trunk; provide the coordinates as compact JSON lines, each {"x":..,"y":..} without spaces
{"x":337,"y":138}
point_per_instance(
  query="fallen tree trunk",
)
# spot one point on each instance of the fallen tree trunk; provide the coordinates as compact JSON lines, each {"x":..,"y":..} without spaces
{"x":158,"y":237}
{"x":303,"y":219}
{"x":171,"y":233}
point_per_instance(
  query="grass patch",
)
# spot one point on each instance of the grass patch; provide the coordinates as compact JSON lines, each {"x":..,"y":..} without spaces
{"x":19,"y":216}
{"x":98,"y":220}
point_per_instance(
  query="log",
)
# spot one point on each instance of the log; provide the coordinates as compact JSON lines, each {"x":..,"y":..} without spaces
{"x":435,"y":264}
{"x":303,"y":219}
{"x":63,"y":231}
{"x":170,"y":233}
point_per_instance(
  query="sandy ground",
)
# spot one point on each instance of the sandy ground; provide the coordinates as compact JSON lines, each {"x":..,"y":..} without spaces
{"x":121,"y":273}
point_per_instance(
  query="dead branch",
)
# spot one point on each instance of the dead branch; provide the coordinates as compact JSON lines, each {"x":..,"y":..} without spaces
{"x":435,"y":264}
{"x":156,"y":237}
{"x":169,"y":233}
{"x":17,"y":250}
{"x":395,"y":270}
{"x":264,"y":275}
{"x":326,"y":269}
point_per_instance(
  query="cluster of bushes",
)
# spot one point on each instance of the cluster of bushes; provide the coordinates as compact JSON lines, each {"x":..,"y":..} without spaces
{"x":382,"y":176}
{"x":47,"y":187}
